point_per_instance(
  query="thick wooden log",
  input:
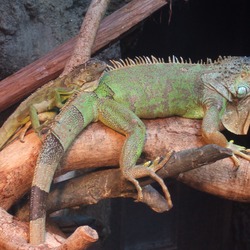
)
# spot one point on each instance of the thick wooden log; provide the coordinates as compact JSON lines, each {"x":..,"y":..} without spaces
{"x":14,"y":236}
{"x":100,"y":146}
{"x":27,"y":80}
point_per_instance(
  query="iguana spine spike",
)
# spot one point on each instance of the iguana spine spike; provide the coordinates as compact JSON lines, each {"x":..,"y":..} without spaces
{"x":148,"y":59}
{"x":138,"y":60}
{"x":109,"y":68}
{"x":131,"y":62}
{"x":114,"y":63}
{"x":123,"y":63}
{"x":154,"y":59}
{"x":209,"y":61}
{"x":175,"y":59}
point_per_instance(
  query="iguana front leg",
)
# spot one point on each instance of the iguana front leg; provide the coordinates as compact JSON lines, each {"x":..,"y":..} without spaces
{"x":37,"y":122}
{"x":38,"y":115}
{"x":212,"y":135}
{"x":124,"y":121}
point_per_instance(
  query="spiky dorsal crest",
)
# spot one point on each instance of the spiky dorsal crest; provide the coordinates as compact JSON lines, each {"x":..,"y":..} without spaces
{"x":142,"y":60}
{"x":138,"y":60}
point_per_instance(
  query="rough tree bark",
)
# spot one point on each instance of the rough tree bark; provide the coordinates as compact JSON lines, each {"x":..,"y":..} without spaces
{"x":86,"y":37}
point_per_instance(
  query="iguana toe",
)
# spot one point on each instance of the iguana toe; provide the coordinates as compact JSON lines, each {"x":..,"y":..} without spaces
{"x":237,"y":150}
{"x":149,"y":169}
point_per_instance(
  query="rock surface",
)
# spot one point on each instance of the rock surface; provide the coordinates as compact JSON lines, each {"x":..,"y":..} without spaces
{"x":31,"y":28}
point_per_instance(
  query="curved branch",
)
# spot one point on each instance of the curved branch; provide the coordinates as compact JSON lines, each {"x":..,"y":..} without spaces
{"x":91,"y":188}
{"x":100,"y":146}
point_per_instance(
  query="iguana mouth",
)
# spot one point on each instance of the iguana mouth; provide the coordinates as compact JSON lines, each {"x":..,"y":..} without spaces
{"x":247,"y":124}
{"x":236,"y":118}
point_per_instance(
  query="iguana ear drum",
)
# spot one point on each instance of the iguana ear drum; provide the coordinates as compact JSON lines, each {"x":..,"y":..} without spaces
{"x":236,"y":118}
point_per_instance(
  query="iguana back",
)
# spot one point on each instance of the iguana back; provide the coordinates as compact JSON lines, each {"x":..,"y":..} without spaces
{"x":153,"y":88}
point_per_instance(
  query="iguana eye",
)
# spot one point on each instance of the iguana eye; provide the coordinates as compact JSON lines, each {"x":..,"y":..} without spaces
{"x":242,"y":91}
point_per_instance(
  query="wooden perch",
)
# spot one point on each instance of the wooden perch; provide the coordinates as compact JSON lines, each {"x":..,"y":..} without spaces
{"x":27,"y":80}
{"x":91,"y":188}
{"x":105,"y":184}
{"x":100,"y":146}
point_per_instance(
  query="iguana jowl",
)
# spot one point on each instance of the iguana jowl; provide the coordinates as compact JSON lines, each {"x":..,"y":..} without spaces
{"x":141,"y":88}
{"x":40,"y":106}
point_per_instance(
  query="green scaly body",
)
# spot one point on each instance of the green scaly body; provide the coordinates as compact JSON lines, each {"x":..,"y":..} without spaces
{"x":40,"y":106}
{"x":143,"y":88}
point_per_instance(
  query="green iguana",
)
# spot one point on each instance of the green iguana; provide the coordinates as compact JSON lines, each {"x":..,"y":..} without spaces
{"x":142,"y":88}
{"x":40,"y":106}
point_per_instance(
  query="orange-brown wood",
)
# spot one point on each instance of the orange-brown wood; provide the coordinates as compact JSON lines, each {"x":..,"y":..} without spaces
{"x":100,"y":146}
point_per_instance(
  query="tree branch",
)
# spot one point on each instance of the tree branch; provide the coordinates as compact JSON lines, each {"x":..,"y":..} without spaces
{"x":100,"y":146}
{"x":87,"y":35}
{"x":91,"y":188}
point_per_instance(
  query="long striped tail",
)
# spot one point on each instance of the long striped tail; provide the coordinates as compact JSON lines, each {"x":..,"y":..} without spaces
{"x":43,"y":176}
{"x":74,"y":117}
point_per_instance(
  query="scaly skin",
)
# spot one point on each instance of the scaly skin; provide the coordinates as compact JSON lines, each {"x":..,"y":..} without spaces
{"x":40,"y":106}
{"x":143,"y":88}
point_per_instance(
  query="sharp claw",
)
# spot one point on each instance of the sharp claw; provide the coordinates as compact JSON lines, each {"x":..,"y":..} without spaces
{"x":147,"y":163}
{"x":236,"y":161}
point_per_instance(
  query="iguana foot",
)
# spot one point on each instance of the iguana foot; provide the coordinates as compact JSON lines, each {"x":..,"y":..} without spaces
{"x":23,"y":131}
{"x":149,"y":169}
{"x":237,"y":150}
{"x":20,"y":133}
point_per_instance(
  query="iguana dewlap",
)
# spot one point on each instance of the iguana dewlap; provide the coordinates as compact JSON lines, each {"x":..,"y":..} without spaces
{"x":144,"y":88}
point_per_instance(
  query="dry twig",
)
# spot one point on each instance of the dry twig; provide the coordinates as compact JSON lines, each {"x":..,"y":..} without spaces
{"x":87,"y":35}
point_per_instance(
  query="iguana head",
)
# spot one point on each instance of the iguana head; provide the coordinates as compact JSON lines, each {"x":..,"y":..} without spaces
{"x":237,"y":114}
{"x":236,"y":74}
{"x":85,"y":73}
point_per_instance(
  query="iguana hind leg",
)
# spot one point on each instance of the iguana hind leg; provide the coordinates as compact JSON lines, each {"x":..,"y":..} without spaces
{"x":37,"y":121}
{"x":149,"y":169}
{"x":124,"y":121}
